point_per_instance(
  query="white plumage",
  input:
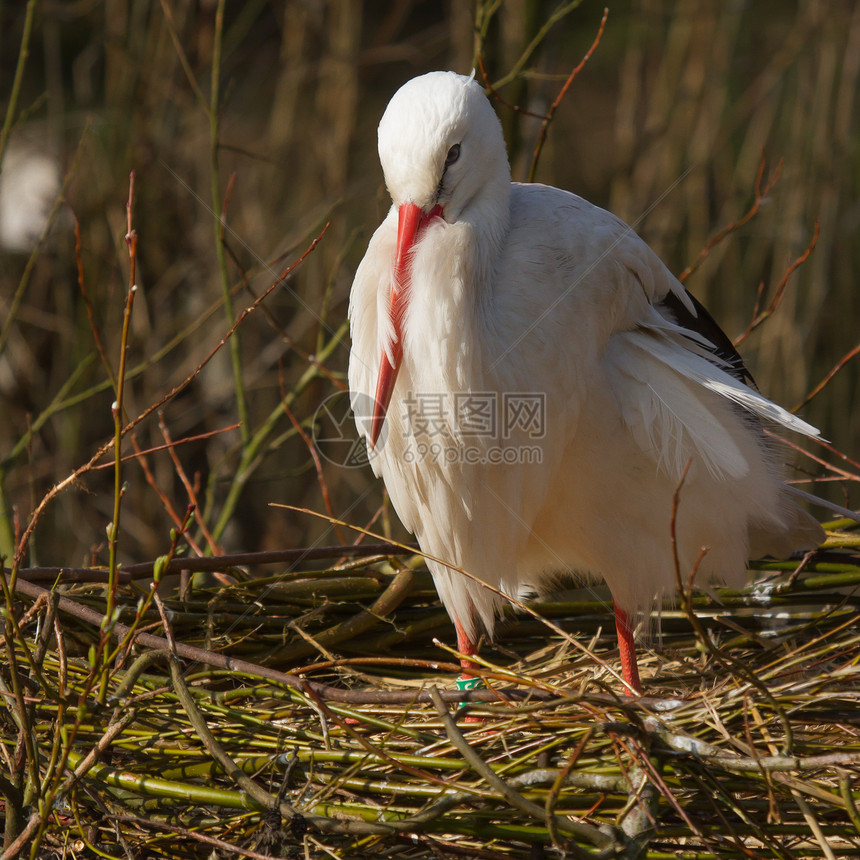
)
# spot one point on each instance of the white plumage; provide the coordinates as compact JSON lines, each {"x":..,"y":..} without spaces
{"x":501,"y":296}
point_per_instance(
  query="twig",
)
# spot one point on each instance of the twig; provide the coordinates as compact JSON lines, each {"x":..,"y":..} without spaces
{"x":778,"y":295}
{"x":843,"y":474}
{"x":718,"y":758}
{"x":120,"y":721}
{"x":309,"y":357}
{"x":219,"y":221}
{"x":141,"y":458}
{"x":312,"y":450}
{"x":259,"y":794}
{"x":117,"y":409}
{"x":94,"y":327}
{"x":15,"y":91}
{"x":497,"y":96}
{"x":189,"y":487}
{"x":606,"y":844}
{"x":385,"y":604}
{"x":140,"y":453}
{"x":761,"y":193}
{"x":557,"y":15}
{"x":824,"y":382}
{"x":561,"y":93}
{"x":848,"y":798}
{"x":814,"y":826}
{"x":186,"y":833}
{"x":180,"y":52}
{"x":14,"y":634}
{"x":225,"y":562}
{"x":13,"y":849}
{"x":563,"y":774}
{"x":26,"y":758}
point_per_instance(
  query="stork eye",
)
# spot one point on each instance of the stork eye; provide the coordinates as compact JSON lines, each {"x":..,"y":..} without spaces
{"x":453,"y":154}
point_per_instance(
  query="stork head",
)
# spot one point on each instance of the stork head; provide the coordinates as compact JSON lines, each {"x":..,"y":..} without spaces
{"x":443,"y":156}
{"x":440,"y":143}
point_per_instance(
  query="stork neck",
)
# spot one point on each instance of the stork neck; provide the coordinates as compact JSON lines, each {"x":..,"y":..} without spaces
{"x":489,"y":214}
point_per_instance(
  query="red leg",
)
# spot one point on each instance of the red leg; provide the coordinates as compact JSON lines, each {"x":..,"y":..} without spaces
{"x":629,"y":666}
{"x":467,"y":648}
{"x":467,"y":680}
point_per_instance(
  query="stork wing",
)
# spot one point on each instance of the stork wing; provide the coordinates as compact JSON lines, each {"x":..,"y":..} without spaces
{"x":669,"y":367}
{"x":677,"y":379}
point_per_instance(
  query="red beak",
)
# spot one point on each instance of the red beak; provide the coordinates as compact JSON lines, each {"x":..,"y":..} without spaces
{"x":410,"y":224}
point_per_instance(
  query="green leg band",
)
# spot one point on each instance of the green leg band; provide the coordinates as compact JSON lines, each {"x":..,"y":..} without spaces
{"x":464,"y":684}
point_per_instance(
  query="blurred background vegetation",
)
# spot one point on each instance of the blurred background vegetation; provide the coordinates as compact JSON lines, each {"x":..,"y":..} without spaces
{"x":666,"y":126}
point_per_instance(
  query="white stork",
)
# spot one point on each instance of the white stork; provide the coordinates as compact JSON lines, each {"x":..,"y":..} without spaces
{"x":539,"y":382}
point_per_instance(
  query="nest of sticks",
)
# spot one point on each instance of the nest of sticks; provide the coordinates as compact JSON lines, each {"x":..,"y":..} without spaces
{"x":307,"y":708}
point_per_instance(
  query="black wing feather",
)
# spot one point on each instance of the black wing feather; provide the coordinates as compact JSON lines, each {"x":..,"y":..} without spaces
{"x":705,"y":325}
